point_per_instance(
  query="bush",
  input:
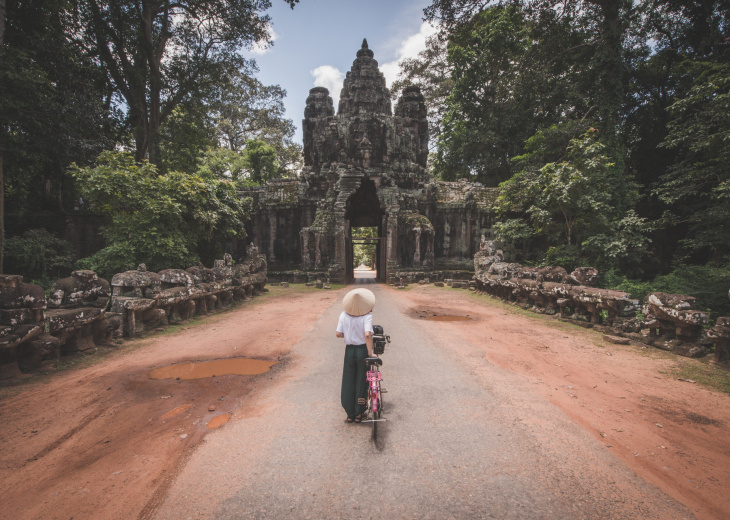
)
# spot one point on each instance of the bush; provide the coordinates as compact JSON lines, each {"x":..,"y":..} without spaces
{"x":165,"y":221}
{"x":40,"y":256}
{"x":709,"y":284}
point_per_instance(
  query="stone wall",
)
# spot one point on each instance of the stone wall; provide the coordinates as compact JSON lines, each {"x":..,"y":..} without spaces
{"x":83,"y":311}
{"x":669,"y":321}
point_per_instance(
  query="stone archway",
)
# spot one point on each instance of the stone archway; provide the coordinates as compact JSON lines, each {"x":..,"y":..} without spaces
{"x":363,"y":209}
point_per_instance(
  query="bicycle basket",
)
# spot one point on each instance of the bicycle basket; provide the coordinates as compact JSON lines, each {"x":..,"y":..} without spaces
{"x":379,"y":347}
{"x":374,"y":375}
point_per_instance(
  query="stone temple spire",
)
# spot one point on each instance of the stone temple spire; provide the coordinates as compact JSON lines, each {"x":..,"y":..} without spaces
{"x":364,"y":50}
{"x":364,"y":90}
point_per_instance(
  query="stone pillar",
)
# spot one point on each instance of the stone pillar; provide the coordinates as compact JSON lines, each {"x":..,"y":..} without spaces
{"x":428,"y":257}
{"x":392,"y":240}
{"x":417,"y":254}
{"x":469,"y":240}
{"x":317,"y":251}
{"x":272,"y":234}
{"x":463,"y":241}
{"x":306,"y":260}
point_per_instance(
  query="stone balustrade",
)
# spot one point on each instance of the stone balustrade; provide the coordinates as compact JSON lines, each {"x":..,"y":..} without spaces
{"x":669,"y":321}
{"x":720,"y":335}
{"x":83,"y":310}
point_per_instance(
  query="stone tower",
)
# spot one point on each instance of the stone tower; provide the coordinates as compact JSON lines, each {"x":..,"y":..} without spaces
{"x":366,"y":166}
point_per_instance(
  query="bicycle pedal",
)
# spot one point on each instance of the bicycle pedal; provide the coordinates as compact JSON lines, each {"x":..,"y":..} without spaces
{"x":383,"y":391}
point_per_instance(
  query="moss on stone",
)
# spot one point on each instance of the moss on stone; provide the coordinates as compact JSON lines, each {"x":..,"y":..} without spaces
{"x":324,"y":218}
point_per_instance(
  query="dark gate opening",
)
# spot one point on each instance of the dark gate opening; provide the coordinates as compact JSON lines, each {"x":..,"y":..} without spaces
{"x":365,"y":233}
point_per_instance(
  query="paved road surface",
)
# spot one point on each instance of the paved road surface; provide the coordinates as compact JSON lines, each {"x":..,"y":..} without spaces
{"x":459,"y":443}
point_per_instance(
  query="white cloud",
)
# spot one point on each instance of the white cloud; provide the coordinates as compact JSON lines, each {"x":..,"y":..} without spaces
{"x":263,"y":47}
{"x":409,"y":48}
{"x":330,"y":78}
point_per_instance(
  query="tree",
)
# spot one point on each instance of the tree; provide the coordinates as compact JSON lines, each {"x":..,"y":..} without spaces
{"x":226,"y":115}
{"x":606,"y":35}
{"x":514,"y":72}
{"x":697,"y":185}
{"x":165,"y":221}
{"x":53,"y":107}
{"x":483,"y":108}
{"x":39,"y":256}
{"x":222,"y":164}
{"x":572,"y":205}
{"x":158,"y":53}
{"x":259,"y":160}
{"x":246,"y":109}
{"x":2,"y":174}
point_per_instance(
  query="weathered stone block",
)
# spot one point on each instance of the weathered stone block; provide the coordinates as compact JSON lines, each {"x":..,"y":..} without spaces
{"x":32,"y":353}
{"x":16,"y":317}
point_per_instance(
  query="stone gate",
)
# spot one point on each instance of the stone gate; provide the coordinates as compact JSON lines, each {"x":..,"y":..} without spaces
{"x":365,"y":166}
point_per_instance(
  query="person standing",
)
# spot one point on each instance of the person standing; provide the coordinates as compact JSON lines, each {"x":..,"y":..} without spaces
{"x":356,"y":327}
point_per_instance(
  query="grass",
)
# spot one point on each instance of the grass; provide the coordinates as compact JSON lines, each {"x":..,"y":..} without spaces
{"x":703,"y":373}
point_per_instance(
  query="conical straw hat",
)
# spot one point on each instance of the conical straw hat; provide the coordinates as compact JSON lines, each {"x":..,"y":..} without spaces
{"x":358,"y":302}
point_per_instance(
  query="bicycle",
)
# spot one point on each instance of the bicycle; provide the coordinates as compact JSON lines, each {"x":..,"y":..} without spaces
{"x":375,"y":377}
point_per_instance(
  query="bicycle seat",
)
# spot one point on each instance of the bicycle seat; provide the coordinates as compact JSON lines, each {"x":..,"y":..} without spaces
{"x":373,"y":361}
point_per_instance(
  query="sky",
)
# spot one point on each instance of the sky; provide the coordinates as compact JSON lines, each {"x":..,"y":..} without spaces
{"x":316,"y":43}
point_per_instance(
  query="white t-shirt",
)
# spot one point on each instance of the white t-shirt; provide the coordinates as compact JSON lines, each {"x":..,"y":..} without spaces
{"x":354,"y":327}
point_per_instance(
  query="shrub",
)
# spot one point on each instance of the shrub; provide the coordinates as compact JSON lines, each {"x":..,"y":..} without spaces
{"x":166,"y":221}
{"x":709,"y":284}
{"x":40,"y":256}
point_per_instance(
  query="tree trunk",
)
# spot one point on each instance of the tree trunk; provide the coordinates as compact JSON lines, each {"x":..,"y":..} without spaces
{"x":2,"y":175}
{"x":611,"y":78}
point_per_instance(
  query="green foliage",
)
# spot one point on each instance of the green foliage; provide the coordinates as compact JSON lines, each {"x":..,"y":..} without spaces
{"x":653,"y":77}
{"x":40,"y":256}
{"x":697,"y":186}
{"x":259,"y":161}
{"x":158,"y":55}
{"x":482,"y":55}
{"x":245,"y":109}
{"x":170,"y":221}
{"x":364,"y":254}
{"x":53,"y":108}
{"x":183,"y":135}
{"x":574,"y":206}
{"x":709,"y":284}
{"x":222,"y":164}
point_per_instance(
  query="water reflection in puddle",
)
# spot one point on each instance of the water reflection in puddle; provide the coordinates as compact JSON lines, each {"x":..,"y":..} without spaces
{"x":218,"y":420}
{"x":448,"y":318}
{"x":219,"y":367}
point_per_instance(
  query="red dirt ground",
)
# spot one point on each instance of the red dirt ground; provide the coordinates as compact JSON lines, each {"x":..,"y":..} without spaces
{"x":106,"y":441}
{"x":672,"y":433}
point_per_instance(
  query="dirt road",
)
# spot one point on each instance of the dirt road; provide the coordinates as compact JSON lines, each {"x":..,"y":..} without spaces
{"x":104,"y":442}
{"x":458,"y":444}
{"x":501,"y":416}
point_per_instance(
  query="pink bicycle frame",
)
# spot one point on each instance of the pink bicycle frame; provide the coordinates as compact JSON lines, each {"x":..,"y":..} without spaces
{"x":374,"y":378}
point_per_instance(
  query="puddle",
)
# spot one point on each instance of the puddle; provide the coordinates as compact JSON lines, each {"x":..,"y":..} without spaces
{"x":218,"y":420}
{"x":172,"y":413}
{"x":219,"y":367}
{"x":448,"y":317}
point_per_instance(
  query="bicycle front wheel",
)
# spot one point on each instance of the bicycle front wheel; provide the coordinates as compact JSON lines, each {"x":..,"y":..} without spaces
{"x":376,"y":413}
